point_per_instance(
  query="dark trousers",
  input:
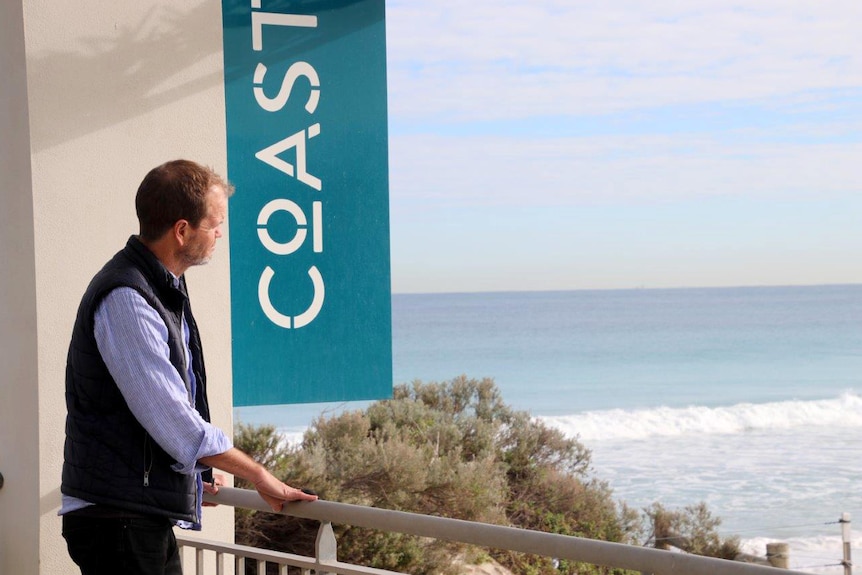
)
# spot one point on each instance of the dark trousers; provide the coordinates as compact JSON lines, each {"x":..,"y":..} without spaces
{"x":129,"y":545}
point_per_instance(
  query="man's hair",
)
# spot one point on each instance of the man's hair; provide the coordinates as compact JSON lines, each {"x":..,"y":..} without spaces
{"x":174,"y":191}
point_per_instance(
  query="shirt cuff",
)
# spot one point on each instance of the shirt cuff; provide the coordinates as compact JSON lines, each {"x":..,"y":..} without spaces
{"x":214,"y":442}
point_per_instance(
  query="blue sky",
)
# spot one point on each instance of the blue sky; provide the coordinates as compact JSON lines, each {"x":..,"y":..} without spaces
{"x":578,"y":145}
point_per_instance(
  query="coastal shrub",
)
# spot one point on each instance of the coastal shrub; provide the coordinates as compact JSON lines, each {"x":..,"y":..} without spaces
{"x":692,"y":529}
{"x":267,"y":447}
{"x":450,"y":449}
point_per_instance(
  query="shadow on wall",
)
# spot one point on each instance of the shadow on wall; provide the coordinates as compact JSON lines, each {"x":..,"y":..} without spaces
{"x":50,"y":502}
{"x":112,"y":77}
{"x":134,"y":69}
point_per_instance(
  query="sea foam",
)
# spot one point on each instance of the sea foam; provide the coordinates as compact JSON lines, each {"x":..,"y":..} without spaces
{"x":819,"y":554}
{"x":842,"y":411}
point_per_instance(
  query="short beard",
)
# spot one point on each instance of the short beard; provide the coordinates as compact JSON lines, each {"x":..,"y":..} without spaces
{"x":194,"y":260}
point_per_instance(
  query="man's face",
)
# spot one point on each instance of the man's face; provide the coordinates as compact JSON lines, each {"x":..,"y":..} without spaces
{"x":200,"y":246}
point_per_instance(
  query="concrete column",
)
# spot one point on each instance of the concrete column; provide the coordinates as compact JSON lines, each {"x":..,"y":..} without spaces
{"x":19,"y":424}
{"x":93,"y":95}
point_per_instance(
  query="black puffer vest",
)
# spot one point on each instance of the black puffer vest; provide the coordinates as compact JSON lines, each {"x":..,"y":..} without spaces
{"x":109,"y":457}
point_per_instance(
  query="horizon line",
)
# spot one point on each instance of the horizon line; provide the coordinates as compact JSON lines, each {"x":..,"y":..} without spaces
{"x":634,"y":288}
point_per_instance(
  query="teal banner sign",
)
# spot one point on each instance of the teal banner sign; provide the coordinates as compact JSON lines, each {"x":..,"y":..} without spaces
{"x":305,"y":91}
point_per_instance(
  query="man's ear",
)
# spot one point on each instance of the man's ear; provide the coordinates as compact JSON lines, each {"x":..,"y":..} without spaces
{"x":181,"y":231}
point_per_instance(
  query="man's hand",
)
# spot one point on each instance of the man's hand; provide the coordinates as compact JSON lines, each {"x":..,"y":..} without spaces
{"x":276,"y":493}
{"x":212,"y":488}
{"x":273,"y":491}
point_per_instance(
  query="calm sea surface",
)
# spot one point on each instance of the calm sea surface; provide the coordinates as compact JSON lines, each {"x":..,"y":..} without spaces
{"x":749,"y":399}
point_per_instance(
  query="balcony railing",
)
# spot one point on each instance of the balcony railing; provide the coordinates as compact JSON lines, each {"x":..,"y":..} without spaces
{"x":614,"y":555}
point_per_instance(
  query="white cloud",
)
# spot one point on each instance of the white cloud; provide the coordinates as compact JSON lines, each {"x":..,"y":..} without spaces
{"x":493,"y":60}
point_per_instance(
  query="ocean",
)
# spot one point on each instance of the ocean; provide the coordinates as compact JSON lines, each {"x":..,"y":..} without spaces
{"x":748,"y":399}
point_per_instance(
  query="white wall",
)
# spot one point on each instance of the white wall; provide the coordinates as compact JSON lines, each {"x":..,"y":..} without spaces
{"x":113,"y":88}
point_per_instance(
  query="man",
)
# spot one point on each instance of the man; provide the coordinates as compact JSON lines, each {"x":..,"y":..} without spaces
{"x":138,"y":437}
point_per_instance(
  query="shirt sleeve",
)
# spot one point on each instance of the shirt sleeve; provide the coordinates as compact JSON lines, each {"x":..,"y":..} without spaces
{"x":133,"y":341}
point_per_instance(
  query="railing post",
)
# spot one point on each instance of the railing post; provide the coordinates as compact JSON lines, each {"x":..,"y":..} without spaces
{"x":845,"y":538}
{"x":778,"y":555}
{"x":325,"y":546}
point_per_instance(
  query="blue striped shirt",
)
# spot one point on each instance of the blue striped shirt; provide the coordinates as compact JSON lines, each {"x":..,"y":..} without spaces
{"x":151,"y":385}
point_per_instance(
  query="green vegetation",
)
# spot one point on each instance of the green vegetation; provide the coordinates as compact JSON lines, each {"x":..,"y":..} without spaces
{"x":693,"y":530}
{"x":454,"y":449}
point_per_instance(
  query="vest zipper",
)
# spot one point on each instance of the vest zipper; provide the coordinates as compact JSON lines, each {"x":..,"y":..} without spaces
{"x":197,"y":519}
{"x":148,"y":460}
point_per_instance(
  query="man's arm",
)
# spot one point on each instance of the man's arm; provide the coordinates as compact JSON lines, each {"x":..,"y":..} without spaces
{"x":133,"y":341}
{"x":273,"y":491}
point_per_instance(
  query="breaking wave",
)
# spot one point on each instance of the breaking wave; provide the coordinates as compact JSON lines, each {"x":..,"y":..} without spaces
{"x":842,"y":411}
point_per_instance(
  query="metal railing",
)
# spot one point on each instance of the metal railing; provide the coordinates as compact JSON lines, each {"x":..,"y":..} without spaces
{"x":614,"y":555}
